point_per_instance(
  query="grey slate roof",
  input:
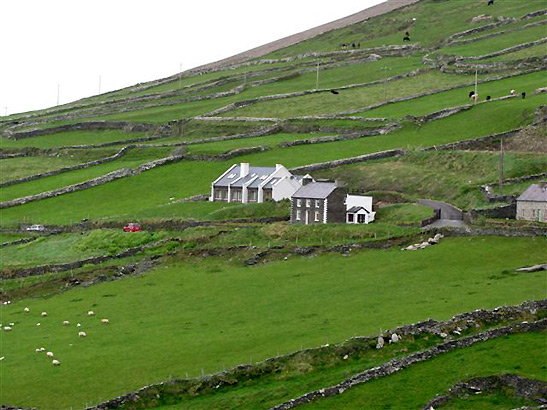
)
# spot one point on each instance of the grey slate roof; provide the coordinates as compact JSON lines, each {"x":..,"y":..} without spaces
{"x":354,"y":209}
{"x":535,"y":192}
{"x":253,"y":171}
{"x":315,"y":190}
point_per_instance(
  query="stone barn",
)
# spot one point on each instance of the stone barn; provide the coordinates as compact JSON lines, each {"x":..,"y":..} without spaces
{"x":532,"y":204}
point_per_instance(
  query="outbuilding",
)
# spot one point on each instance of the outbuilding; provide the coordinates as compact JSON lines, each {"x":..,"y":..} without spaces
{"x":532,"y":204}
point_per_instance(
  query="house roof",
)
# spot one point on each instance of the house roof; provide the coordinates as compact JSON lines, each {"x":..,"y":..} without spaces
{"x":355,"y":209}
{"x":230,"y":178}
{"x":535,"y":192}
{"x":316,"y":190}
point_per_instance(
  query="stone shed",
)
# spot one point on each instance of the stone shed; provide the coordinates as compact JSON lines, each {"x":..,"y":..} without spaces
{"x":532,"y":204}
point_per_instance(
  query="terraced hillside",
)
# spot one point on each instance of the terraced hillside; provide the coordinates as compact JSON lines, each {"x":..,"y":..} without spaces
{"x":232,"y":306}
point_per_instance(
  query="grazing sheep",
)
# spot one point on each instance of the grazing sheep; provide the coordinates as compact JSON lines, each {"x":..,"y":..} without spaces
{"x":475,"y":97}
{"x":380,"y":343}
{"x":44,"y":314}
{"x":42,"y":349}
{"x":82,"y":334}
{"x":512,"y":92}
{"x":7,"y":328}
{"x":78,"y":325}
{"x":345,"y":357}
{"x":90,"y":313}
{"x":394,"y":338}
{"x":49,"y":354}
{"x":55,"y":362}
{"x":38,"y":324}
{"x":26,"y":310}
{"x":105,"y":321}
{"x":38,"y":350}
{"x":12,"y":324}
{"x":66,"y":322}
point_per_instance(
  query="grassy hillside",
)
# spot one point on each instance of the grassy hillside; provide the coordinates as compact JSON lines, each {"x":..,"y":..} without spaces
{"x":227,"y":287}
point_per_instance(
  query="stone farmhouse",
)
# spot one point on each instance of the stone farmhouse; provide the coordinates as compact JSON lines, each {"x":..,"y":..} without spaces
{"x":246,"y":184}
{"x":532,"y":204}
{"x":326,"y":202}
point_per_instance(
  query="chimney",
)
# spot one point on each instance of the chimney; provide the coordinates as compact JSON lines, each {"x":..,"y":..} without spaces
{"x":306,"y":180}
{"x":243,"y":169}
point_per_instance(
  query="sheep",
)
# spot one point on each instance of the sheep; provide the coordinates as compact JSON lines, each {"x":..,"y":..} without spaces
{"x":26,"y":310}
{"x":49,"y":354}
{"x":42,"y":349}
{"x":55,"y":362}
{"x":66,"y":323}
{"x":394,"y":338}
{"x":44,"y":314}
{"x":512,"y":92}
{"x":7,"y":328}
{"x":78,"y":325}
{"x":82,"y":334}
{"x":475,"y":97}
{"x":380,"y":343}
{"x":12,"y":324}
{"x":105,"y":321}
{"x":38,"y":324}
{"x":90,"y":313}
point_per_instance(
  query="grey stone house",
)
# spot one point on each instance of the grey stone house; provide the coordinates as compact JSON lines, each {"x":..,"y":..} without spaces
{"x":318,"y":203}
{"x":532,"y":204}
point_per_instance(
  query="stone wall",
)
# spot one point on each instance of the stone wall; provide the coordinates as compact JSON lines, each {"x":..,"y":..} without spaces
{"x":348,"y":161}
{"x":395,"y":365}
{"x":89,"y":126}
{"x":526,"y":311}
{"x":114,"y":157}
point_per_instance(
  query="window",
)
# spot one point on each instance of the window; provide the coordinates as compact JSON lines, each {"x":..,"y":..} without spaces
{"x":361,"y":218}
{"x":298,"y":202}
{"x":317,"y":203}
{"x":253,"y":195}
{"x":236,"y":195}
{"x":298,"y":215}
{"x":350,"y":218}
{"x":308,"y":202}
{"x":316,"y":216}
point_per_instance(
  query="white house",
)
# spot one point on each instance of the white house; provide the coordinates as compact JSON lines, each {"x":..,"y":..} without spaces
{"x":359,"y":209}
{"x":532,"y":204}
{"x":246,"y":184}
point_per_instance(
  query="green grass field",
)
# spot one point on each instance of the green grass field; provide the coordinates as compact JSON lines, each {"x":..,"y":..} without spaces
{"x":522,"y":354}
{"x":174,"y":327}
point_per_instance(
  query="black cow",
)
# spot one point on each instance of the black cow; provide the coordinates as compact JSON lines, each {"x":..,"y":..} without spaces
{"x":490,"y":2}
{"x":406,"y":38}
{"x":334,"y":92}
{"x":488,"y":98}
{"x":523,"y":95}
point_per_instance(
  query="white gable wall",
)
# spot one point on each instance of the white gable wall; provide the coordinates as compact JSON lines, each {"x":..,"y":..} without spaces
{"x":359,"y":200}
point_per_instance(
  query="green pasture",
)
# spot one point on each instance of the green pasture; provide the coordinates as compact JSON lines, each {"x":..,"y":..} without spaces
{"x":414,"y":387}
{"x":68,"y":138}
{"x":457,"y":97}
{"x":435,"y":20}
{"x":205,"y":315}
{"x":351,"y":99}
{"x":71,"y":247}
{"x":534,"y":51}
{"x":20,"y":167}
{"x":131,"y":160}
{"x":498,"y":43}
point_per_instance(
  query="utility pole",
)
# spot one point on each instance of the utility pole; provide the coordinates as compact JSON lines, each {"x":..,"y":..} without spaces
{"x":58,"y":92}
{"x":99,"y":84}
{"x":501,"y":168}
{"x":317,"y":78}
{"x":476,"y":86}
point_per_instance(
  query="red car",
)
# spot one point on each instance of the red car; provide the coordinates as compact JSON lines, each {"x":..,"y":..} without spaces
{"x":132,"y":227}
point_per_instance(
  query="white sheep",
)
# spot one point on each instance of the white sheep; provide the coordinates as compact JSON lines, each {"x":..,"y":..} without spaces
{"x":55,"y":362}
{"x":82,"y":334}
{"x":49,"y":354}
{"x":38,"y":324}
{"x":12,"y":324}
{"x":38,"y":350}
{"x":90,"y":313}
{"x":26,"y":310}
{"x":7,"y":328}
{"x":44,"y":314}
{"x":512,"y":92}
{"x":42,"y":349}
{"x":66,"y":323}
{"x":105,"y":321}
{"x":78,"y":325}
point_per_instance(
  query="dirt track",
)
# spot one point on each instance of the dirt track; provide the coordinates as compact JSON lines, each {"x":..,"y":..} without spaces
{"x":377,"y":10}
